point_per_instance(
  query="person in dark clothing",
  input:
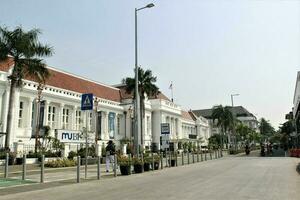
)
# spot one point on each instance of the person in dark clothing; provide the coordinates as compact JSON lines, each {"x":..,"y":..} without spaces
{"x":110,"y":152}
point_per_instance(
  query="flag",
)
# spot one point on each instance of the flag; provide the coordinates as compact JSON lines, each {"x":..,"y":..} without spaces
{"x":171,"y":86}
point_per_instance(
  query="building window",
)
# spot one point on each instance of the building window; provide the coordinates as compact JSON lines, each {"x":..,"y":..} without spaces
{"x":65,"y":118}
{"x":78,"y":120}
{"x":51,"y":116}
{"x":21,"y":113}
{"x":111,"y":125}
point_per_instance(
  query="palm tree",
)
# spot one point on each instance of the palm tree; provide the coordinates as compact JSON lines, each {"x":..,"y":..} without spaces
{"x":224,"y":119}
{"x":26,"y":51}
{"x":146,"y":83}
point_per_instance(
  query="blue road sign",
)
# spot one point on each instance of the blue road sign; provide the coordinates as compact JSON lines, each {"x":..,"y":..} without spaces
{"x":87,"y":101}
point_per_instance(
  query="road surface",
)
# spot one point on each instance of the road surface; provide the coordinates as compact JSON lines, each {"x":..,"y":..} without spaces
{"x":229,"y":178}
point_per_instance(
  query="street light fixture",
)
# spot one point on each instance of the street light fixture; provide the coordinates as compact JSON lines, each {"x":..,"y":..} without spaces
{"x":137,"y":97}
{"x":232,"y":95}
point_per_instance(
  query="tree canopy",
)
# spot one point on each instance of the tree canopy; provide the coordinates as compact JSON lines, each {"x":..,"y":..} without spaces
{"x":26,"y":51}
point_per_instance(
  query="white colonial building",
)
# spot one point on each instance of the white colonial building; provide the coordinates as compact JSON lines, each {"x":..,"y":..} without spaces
{"x":112,"y":115}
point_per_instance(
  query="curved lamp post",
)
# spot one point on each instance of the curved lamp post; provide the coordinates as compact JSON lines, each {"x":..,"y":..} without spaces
{"x":137,"y":135}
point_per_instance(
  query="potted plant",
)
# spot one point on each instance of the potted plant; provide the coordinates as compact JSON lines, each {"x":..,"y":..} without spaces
{"x":19,"y":161}
{"x":172,"y":162}
{"x":125,"y":166}
{"x":137,"y":165}
{"x":147,"y":162}
{"x":12,"y":158}
{"x":156,"y":161}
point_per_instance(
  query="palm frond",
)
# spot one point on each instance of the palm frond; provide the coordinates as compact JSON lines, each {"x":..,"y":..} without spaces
{"x":35,"y":69}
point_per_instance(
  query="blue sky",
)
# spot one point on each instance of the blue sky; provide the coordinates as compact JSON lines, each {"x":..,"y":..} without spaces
{"x":208,"y":48}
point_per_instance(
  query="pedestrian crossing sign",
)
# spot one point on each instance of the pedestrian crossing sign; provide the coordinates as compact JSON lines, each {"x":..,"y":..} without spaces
{"x":87,"y":101}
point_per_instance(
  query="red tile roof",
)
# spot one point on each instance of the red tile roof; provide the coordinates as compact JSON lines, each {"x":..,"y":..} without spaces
{"x":188,"y":115}
{"x":5,"y":65}
{"x":74,"y":83}
{"x":80,"y":85}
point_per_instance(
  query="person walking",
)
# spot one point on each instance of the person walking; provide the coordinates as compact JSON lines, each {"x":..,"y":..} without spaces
{"x":110,"y":152}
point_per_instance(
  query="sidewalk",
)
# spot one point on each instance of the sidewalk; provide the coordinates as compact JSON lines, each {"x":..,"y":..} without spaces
{"x":54,"y":177}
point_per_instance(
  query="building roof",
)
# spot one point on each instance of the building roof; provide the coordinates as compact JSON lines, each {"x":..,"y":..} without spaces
{"x":5,"y":65}
{"x":188,"y":115}
{"x":74,"y":83}
{"x":238,"y":111}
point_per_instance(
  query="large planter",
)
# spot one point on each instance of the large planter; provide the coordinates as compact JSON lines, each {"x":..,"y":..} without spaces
{"x":11,"y":161}
{"x":19,"y":161}
{"x":125,"y":170}
{"x":146,"y":167}
{"x":173,"y":163}
{"x":138,"y":168}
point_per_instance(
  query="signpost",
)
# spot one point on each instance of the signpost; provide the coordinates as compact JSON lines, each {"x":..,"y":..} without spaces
{"x":165,"y":136}
{"x":86,"y":104}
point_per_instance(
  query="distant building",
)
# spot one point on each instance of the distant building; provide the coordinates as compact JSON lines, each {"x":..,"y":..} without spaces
{"x":296,"y":111}
{"x":241,"y":113}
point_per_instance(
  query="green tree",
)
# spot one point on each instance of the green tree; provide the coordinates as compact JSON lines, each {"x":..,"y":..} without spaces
{"x":214,"y":141}
{"x":265,"y":128}
{"x":26,"y":51}
{"x":244,"y":132}
{"x":146,"y":86}
{"x":288,"y":127}
{"x":224,"y":120}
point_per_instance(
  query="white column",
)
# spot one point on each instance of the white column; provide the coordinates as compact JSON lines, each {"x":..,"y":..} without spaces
{"x":46,"y":113}
{"x":104,"y":134}
{"x":73,"y":117}
{"x":1,"y":106}
{"x":5,"y":109}
{"x":15,"y":116}
{"x":60,"y":113}
{"x":29,"y":113}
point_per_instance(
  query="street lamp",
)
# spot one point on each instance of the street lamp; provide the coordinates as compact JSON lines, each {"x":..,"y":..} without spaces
{"x":233,"y":130}
{"x":38,"y":116}
{"x":232,"y":95}
{"x":137,"y":97}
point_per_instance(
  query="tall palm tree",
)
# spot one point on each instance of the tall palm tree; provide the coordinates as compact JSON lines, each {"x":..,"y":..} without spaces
{"x":26,"y":51}
{"x":224,"y":119}
{"x":146,"y":83}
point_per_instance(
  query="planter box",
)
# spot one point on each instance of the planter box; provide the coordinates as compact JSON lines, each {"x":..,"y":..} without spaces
{"x":125,"y":170}
{"x":146,"y":167}
{"x":173,"y":162}
{"x":11,"y":161}
{"x":19,"y":161}
{"x":138,"y":168}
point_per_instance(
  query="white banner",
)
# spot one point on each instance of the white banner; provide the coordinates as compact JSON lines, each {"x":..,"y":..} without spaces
{"x":69,"y":136}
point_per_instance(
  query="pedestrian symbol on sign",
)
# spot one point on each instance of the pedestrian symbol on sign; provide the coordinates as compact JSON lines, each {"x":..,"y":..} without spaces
{"x":87,"y":102}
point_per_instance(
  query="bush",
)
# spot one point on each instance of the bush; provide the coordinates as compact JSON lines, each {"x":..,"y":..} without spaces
{"x":60,"y":163}
{"x":123,"y":160}
{"x":91,"y":152}
{"x":71,"y":155}
{"x":137,"y":161}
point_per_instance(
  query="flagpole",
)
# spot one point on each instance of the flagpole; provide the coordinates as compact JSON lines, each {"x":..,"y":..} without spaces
{"x":171,"y":87}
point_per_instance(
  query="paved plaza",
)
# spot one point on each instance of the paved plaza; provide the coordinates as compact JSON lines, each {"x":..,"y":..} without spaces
{"x":226,"y":178}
